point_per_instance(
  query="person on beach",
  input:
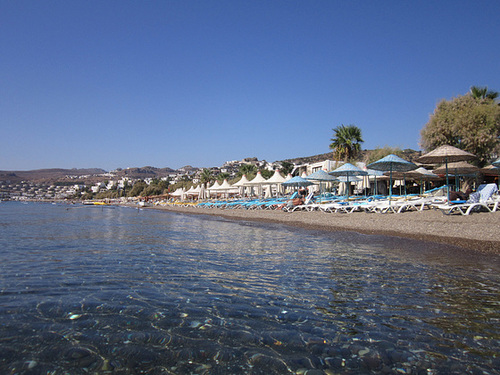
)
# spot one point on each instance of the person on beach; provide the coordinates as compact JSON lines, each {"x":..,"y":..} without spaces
{"x":459,"y":196}
{"x":303,"y":192}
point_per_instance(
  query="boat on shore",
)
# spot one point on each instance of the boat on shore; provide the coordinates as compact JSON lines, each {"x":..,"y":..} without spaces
{"x":94,"y":203}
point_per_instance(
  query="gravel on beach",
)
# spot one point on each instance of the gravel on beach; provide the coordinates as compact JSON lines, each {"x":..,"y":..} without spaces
{"x":478,"y":231}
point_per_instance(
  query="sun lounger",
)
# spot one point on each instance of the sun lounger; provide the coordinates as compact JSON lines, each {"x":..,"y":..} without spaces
{"x":481,"y":200}
{"x":307,"y":201}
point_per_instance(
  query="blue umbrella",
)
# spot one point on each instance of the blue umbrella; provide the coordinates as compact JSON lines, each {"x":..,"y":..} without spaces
{"x":320,"y":176}
{"x":348,"y":170}
{"x":297,"y":181}
{"x":392,"y":163}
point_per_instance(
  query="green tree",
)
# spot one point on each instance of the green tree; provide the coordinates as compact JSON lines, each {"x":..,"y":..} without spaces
{"x":464,"y":122}
{"x":379,"y":153}
{"x":206,"y":176}
{"x":483,"y":93}
{"x":266,"y":173}
{"x":286,"y":167}
{"x":163,"y":184}
{"x":137,"y":189}
{"x":346,"y":142}
{"x":222,"y":176}
{"x":150,"y":190}
{"x":249,"y":170}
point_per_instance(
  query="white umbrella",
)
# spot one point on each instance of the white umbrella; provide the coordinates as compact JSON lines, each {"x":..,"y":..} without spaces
{"x":203,"y":192}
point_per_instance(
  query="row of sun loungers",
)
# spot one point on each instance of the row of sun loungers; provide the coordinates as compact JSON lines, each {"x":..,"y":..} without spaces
{"x":485,"y":199}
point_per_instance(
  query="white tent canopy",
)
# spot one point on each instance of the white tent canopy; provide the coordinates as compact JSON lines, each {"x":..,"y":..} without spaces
{"x":193,"y":191}
{"x":215,"y":186}
{"x":242,"y":182}
{"x":179,"y":193}
{"x":276,"y":178}
{"x":258,"y":180}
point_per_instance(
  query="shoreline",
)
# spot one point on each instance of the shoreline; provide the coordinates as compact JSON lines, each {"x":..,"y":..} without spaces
{"x":478,"y":232}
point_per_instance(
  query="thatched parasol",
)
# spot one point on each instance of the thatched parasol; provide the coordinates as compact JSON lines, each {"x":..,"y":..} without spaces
{"x":458,"y":168}
{"x":445,"y":154}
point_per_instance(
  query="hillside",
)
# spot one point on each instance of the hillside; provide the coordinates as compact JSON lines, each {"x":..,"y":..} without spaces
{"x":46,"y":175}
{"x":89,"y":175}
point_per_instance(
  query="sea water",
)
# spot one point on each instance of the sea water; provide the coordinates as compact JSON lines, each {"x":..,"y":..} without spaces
{"x":127,"y":291}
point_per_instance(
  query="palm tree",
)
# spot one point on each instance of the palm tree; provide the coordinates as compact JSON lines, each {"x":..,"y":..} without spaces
{"x":248,"y":170}
{"x":483,"y":93}
{"x":206,"y":176}
{"x":222,"y":176}
{"x":346,"y":142}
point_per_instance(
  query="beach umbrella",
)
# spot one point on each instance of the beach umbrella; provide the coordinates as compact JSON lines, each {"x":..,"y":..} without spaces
{"x":422,"y":175}
{"x":348,"y":170}
{"x":496,"y":163}
{"x":349,"y":179}
{"x":459,"y":168}
{"x":445,"y":154}
{"x":267,"y":191}
{"x":418,"y":174}
{"x":202,"y":192}
{"x":392,"y":163}
{"x":492,"y":169}
{"x":297,"y":181}
{"x":320,"y":176}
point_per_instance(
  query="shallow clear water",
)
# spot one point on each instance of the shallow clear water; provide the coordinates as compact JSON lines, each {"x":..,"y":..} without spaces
{"x":125,"y":291}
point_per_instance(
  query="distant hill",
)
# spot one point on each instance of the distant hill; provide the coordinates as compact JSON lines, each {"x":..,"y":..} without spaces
{"x":41,"y":175}
{"x":86,"y":175}
{"x":144,"y":172}
{"x":90,"y":175}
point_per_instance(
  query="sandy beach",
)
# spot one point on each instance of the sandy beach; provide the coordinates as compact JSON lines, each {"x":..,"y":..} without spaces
{"x":478,"y":231}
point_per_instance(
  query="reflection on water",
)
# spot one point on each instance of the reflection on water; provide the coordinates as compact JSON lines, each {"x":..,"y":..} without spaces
{"x":100,"y":290}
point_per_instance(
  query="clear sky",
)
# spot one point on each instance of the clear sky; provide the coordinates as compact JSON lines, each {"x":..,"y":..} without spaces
{"x":169,"y":83}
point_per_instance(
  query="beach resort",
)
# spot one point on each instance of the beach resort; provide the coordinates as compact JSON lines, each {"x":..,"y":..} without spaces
{"x":437,"y":214}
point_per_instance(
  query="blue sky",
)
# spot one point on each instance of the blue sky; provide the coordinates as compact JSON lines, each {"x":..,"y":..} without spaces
{"x":171,"y":83}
